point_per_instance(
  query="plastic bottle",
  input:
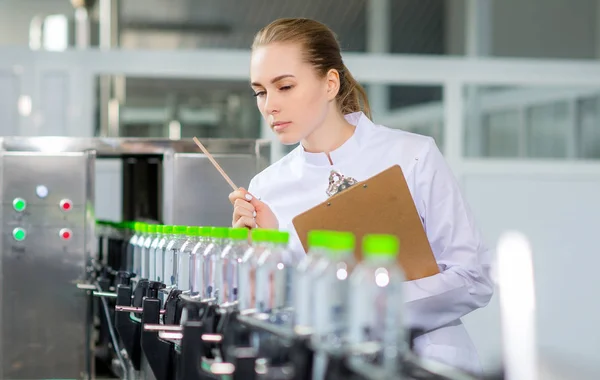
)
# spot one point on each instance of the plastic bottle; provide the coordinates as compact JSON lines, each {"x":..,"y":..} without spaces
{"x":273,"y":274}
{"x":122,"y":258}
{"x":140,"y":229}
{"x":213,"y":268}
{"x":248,"y":265}
{"x":145,"y":243}
{"x":153,"y":245}
{"x":332,"y":289}
{"x":131,"y":260}
{"x":303,"y":294}
{"x":197,"y":274}
{"x":376,"y":302}
{"x":184,"y":262}
{"x":171,"y":254}
{"x":167,"y":236}
{"x":231,"y":257}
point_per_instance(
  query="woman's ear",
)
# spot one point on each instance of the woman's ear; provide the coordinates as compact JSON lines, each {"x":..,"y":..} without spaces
{"x":333,"y":83}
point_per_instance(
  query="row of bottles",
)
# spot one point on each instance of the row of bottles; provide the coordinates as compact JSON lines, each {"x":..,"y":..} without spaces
{"x":211,"y":262}
{"x":342,"y":302}
{"x":347,"y":304}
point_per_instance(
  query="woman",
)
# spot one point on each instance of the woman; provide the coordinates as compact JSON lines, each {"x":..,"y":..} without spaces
{"x":307,"y":95}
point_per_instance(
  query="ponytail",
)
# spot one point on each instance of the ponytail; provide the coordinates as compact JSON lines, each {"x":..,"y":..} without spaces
{"x":352,"y":97}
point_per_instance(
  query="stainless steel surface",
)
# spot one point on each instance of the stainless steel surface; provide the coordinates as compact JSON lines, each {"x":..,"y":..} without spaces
{"x":131,"y":309}
{"x":105,"y":294}
{"x":201,"y":192}
{"x":46,"y":326}
{"x":172,"y":328}
{"x":111,"y":147}
{"x":42,"y":313}
{"x":175,"y":337}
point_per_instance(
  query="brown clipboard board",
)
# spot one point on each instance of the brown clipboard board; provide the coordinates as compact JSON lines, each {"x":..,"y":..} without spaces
{"x":381,"y":204}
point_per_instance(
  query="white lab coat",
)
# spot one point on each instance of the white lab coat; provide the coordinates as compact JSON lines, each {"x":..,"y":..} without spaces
{"x":299,"y":180}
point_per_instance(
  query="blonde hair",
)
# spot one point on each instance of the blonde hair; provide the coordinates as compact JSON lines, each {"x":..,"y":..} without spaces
{"x":322,"y":50}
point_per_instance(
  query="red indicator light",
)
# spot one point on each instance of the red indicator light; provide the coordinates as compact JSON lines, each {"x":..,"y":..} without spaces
{"x":65,"y":234}
{"x":65,"y":205}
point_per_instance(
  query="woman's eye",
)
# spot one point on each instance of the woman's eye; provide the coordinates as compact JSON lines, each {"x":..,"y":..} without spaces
{"x":259,"y":93}
{"x":285,"y":88}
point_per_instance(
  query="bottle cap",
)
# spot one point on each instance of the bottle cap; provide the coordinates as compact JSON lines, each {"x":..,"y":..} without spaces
{"x":317,"y":239}
{"x":167,"y":230}
{"x":179,"y":230}
{"x":143,"y":227}
{"x":152,"y":228}
{"x":380,"y":245}
{"x":280,"y":237}
{"x":204,"y":231}
{"x":192,"y":231}
{"x":238,"y":233}
{"x":341,"y":241}
{"x":219,"y":232}
{"x":260,"y":235}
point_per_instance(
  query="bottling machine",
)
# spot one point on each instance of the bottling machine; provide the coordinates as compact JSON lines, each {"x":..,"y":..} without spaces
{"x":72,"y":307}
{"x":48,"y":231}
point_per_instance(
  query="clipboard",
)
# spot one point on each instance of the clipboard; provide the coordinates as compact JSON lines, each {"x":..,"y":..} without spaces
{"x":381,"y":204}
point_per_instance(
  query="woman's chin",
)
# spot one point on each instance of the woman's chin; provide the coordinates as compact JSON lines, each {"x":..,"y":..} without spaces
{"x":288,"y":138}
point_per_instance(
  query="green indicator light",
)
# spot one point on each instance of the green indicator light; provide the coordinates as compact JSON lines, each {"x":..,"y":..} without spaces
{"x":19,"y":234}
{"x":19,"y":204}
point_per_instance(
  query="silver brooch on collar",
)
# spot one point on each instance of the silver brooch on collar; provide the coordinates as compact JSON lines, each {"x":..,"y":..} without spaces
{"x":338,"y":183}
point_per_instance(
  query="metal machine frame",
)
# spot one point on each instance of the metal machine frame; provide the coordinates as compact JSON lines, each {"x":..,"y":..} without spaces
{"x":44,"y":317}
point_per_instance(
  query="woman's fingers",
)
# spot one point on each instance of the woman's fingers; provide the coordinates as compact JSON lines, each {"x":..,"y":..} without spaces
{"x":245,"y":221}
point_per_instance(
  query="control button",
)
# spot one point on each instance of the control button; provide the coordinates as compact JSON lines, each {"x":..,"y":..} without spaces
{"x":41,"y":191}
{"x":19,"y":204}
{"x":65,"y":234}
{"x":19,"y":234}
{"x":66,"y":204}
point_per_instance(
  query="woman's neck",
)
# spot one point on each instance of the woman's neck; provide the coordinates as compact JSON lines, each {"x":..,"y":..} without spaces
{"x":332,"y":134}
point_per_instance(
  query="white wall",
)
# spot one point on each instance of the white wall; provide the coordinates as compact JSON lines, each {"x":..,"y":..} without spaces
{"x":16,"y":15}
{"x":559,"y":213}
{"x":533,"y":28}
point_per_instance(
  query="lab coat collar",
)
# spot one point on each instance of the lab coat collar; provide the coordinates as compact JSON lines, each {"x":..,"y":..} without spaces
{"x":349,"y":149}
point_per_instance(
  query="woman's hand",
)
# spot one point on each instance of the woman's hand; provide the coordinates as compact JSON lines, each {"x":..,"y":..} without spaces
{"x":250,"y":212}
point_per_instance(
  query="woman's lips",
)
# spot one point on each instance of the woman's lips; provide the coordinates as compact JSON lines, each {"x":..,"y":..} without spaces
{"x":280,"y":126}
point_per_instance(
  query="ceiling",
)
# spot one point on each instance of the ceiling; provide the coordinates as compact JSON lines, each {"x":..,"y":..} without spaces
{"x":177,"y":24}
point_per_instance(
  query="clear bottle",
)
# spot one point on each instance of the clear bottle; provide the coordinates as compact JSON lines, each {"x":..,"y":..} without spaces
{"x":171,"y":253}
{"x":231,"y":258}
{"x":141,"y":230}
{"x":376,"y":303}
{"x":303,"y":292}
{"x":197,"y":274}
{"x":185,"y":264}
{"x":124,"y":253}
{"x":153,"y":245}
{"x":330,"y":321}
{"x":146,"y":242}
{"x":213,"y":268}
{"x":131,"y":260}
{"x":273,"y":273}
{"x":247,"y":268}
{"x":167,"y":236}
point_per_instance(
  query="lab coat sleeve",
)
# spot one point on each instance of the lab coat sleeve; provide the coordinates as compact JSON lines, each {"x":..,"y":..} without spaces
{"x":463,"y":283}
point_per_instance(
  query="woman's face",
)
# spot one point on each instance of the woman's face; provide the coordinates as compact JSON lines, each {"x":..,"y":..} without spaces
{"x":291,"y":96}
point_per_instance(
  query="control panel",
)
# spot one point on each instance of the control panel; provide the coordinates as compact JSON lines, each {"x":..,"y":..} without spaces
{"x":44,"y":254}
